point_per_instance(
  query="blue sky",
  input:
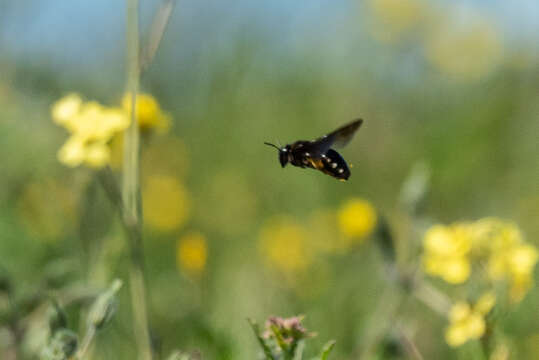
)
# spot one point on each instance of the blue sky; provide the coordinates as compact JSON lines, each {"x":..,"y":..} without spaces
{"x":83,"y":32}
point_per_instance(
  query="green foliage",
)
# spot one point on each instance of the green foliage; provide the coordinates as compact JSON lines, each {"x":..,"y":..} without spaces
{"x":62,"y":345}
{"x":434,"y":148}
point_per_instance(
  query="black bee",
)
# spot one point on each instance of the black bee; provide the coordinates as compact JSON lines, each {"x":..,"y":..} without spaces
{"x":318,"y":154}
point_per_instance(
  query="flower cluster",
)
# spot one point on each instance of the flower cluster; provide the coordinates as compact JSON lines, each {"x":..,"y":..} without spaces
{"x":447,"y":250}
{"x":284,"y":338}
{"x":467,"y":321}
{"x":288,"y":330}
{"x":509,"y":257}
{"x":92,"y":126}
{"x":450,"y":251}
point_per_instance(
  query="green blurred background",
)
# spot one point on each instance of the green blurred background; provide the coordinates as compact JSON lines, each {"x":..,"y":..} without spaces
{"x":453,"y":85}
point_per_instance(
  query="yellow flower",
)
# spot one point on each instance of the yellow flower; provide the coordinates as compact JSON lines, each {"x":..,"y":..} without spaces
{"x":521,"y":262}
{"x":66,"y":108}
{"x":503,"y":235}
{"x":96,"y":122}
{"x":493,"y":235}
{"x":522,"y":259}
{"x":447,"y":241}
{"x":166,"y":204}
{"x":357,"y":218}
{"x":149,"y":113}
{"x":284,"y":244}
{"x":467,"y":51}
{"x":446,"y":252}
{"x":485,"y":303}
{"x":73,"y":152}
{"x":192,"y":253}
{"x":509,"y":257}
{"x":467,"y":323}
{"x":97,"y":154}
{"x":92,"y":126}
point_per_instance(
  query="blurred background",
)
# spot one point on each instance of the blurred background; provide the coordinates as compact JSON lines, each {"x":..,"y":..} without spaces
{"x":228,"y":234}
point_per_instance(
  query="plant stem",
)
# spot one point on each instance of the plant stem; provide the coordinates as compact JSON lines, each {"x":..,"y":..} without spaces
{"x":131,"y":191}
{"x":384,"y":315}
{"x":86,"y":341}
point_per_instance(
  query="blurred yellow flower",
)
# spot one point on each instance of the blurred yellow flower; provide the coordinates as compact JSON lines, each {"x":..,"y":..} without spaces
{"x":509,"y":257}
{"x":73,"y":153}
{"x":397,"y":18}
{"x":521,"y":262}
{"x":522,"y":259}
{"x":498,"y":235}
{"x":492,"y":235}
{"x":467,"y":322}
{"x":149,"y":113}
{"x":357,"y":218}
{"x":446,"y":252}
{"x":285,"y":245}
{"x":485,"y":303}
{"x":95,"y":122}
{"x":192,"y":253}
{"x":166,"y":204}
{"x":466,"y":50}
{"x":91,"y":126}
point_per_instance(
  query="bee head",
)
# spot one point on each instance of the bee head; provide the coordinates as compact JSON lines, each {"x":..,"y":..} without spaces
{"x":283,"y":153}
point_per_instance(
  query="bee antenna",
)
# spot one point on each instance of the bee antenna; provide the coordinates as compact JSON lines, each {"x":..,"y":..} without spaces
{"x":275,"y":146}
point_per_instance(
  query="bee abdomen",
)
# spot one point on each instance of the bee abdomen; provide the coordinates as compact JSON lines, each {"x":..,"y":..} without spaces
{"x":334,"y":165}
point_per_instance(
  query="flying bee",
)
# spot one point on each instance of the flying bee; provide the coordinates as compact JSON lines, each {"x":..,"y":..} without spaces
{"x":318,"y":154}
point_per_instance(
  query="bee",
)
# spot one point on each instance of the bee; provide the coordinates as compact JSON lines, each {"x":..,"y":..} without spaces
{"x":319,"y":154}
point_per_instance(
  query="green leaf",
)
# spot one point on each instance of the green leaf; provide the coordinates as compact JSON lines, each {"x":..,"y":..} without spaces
{"x":104,"y":306}
{"x":327,"y":349}
{"x":56,"y":316}
{"x":61,"y":347}
{"x":178,"y":355}
{"x":280,"y":341}
{"x":261,"y":341}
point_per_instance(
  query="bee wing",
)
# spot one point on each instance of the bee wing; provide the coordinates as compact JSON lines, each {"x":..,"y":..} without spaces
{"x":337,"y":138}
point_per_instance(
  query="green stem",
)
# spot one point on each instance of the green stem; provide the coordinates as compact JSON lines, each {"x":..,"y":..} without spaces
{"x":384,"y":315}
{"x":131,"y":191}
{"x":86,"y":341}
